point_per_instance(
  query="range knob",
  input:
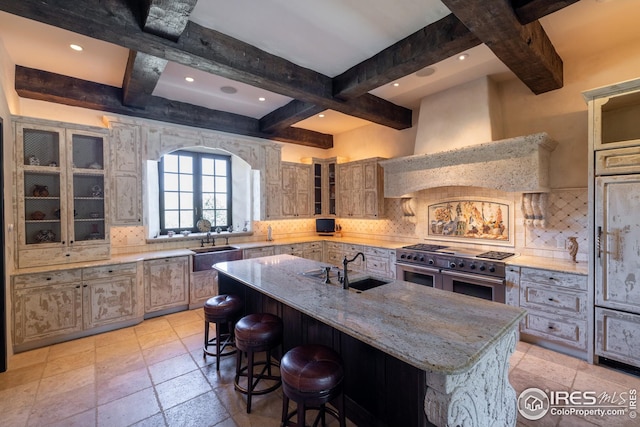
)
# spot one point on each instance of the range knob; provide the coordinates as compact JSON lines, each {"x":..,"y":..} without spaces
{"x":472,"y":266}
{"x":452,"y":265}
{"x":482,"y":267}
{"x":431,"y":261}
{"x":403,"y":256}
{"x":460,"y":264}
{"x":492,"y":268}
{"x":421,"y":259}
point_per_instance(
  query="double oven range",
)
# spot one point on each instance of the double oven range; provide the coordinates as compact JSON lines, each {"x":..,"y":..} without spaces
{"x":465,"y":271}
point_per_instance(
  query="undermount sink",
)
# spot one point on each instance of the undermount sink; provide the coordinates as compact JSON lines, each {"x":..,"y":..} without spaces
{"x":204,"y":258}
{"x":367,"y":283}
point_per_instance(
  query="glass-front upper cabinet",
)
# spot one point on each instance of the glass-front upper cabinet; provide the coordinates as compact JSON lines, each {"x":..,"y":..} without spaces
{"x":62,"y":214}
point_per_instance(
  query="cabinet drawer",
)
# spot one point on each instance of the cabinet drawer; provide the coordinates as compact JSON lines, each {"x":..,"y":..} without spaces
{"x":618,"y":161}
{"x":553,"y":300}
{"x":108,"y":270}
{"x":335,"y":257}
{"x":335,"y":247}
{"x":553,"y":278}
{"x":48,"y":278}
{"x":353,"y":249}
{"x":563,"y":330}
{"x":377,"y":265}
{"x":312,"y":246}
{"x":369,"y":250}
{"x":618,"y":335}
{"x":258,"y":252}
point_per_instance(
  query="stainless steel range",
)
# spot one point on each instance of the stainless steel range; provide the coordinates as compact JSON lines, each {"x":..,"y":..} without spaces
{"x":466,"y":271}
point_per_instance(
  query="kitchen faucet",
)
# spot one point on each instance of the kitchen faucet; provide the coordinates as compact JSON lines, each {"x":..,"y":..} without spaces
{"x":345,"y":261}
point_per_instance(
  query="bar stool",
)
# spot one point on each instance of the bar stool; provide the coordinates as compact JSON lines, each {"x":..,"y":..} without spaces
{"x":221,"y":309}
{"x":259,"y":332}
{"x":312,"y":376}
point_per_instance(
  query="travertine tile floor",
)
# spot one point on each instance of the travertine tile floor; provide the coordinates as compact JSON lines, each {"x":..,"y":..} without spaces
{"x":153,"y":374}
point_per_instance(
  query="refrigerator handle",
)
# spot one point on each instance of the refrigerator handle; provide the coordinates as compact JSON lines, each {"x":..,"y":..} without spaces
{"x":599,"y":242}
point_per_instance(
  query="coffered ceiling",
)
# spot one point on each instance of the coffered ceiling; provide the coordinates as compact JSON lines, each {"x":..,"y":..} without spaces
{"x":353,"y":61}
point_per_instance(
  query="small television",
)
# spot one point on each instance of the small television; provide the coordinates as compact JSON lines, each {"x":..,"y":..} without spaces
{"x":325,"y":226}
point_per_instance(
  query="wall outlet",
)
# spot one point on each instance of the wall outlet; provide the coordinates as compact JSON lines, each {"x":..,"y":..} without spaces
{"x":560,"y":242}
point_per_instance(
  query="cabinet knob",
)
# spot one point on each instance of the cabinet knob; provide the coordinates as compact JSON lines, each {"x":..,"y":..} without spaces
{"x":67,"y":254}
{"x":110,"y":271}
{"x":71,"y":242}
{"x":48,"y":278}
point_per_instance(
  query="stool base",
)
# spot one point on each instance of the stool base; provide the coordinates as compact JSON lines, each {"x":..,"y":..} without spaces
{"x":253,"y":379}
{"x":221,"y":341}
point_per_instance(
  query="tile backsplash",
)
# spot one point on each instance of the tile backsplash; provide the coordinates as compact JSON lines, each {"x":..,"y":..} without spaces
{"x":566,"y":217}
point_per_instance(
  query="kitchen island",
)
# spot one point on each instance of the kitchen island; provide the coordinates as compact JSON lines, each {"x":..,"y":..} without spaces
{"x":413,"y":355}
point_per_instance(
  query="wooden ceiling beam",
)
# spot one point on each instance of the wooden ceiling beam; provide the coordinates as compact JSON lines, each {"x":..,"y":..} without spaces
{"x":525,"y":49}
{"x":140,"y":78}
{"x":206,"y":50}
{"x":433,"y":43}
{"x":287,"y":115}
{"x":167,"y":18}
{"x":528,"y":11}
{"x":51,"y":87}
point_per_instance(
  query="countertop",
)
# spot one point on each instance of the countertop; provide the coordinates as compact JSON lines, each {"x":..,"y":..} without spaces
{"x":431,"y":329}
{"x":552,"y":264}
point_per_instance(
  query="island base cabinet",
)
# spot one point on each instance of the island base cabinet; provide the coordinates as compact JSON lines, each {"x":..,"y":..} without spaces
{"x":618,"y":336}
{"x":166,"y":284}
{"x":380,"y":390}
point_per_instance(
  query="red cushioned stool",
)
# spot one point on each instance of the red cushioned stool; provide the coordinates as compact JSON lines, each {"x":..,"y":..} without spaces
{"x":312,"y":376}
{"x":260,"y":332}
{"x":221,"y":309}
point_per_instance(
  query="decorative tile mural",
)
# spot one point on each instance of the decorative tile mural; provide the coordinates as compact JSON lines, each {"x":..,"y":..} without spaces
{"x":469,"y":219}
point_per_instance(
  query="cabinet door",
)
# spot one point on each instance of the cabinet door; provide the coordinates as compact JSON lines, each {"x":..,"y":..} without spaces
{"x":288,"y":190}
{"x":615,"y":120}
{"x":618,"y":233}
{"x":166,"y":283}
{"x":109,"y":300}
{"x":46,"y":312}
{"x":126,"y":182}
{"x":204,"y":285}
{"x":303,"y":191}
{"x":41,"y":187}
{"x":618,"y":336}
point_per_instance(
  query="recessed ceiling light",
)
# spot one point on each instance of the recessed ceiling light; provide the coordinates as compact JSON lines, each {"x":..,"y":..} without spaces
{"x":228,"y":89}
{"x":427,"y":71}
{"x":321,"y":115}
{"x":262,"y":99}
{"x":463,"y":56}
{"x":396,"y":84}
{"x":76,"y":47}
{"x":189,"y":79}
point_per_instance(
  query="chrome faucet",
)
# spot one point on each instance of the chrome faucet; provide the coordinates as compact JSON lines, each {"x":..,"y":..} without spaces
{"x":345,"y":261}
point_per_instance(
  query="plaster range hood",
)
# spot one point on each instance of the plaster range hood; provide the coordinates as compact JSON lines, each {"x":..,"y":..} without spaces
{"x":451,"y":147}
{"x":518,"y":164}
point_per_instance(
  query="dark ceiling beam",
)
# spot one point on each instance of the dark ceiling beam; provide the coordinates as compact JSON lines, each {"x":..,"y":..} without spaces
{"x":528,"y":11}
{"x":287,"y":115}
{"x":525,"y":49}
{"x":51,"y":87}
{"x":435,"y":42}
{"x":140,"y":78}
{"x":206,"y":50}
{"x":167,"y":18}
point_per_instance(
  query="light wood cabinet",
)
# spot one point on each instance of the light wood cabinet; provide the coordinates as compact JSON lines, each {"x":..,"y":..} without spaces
{"x":360,"y":189}
{"x":258,"y":252}
{"x":557,"y":306}
{"x":296,"y":190}
{"x":272,"y":198}
{"x":324,"y":187}
{"x":62,"y":193}
{"x":379,"y":261}
{"x":126,"y":179}
{"x":110,"y":295}
{"x":614,"y":147}
{"x":166,"y":284}
{"x":55,"y":306}
{"x":203,"y":285}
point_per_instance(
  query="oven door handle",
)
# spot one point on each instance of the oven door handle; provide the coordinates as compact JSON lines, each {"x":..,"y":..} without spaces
{"x":474,"y":277}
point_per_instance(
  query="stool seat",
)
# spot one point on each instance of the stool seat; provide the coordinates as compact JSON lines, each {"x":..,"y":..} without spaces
{"x":221,"y":307}
{"x":312,"y":376}
{"x":222,"y":310}
{"x":258,"y":332}
{"x":311,"y":368}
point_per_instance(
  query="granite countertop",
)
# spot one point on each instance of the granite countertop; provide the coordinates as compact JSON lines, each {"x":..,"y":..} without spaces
{"x":431,"y":329}
{"x":552,"y":264}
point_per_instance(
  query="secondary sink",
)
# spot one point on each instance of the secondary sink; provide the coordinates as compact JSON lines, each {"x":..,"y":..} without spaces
{"x":204,"y":258}
{"x":367,"y":283}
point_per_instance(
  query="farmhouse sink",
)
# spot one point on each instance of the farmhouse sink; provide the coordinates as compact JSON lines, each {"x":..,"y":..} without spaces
{"x":204,"y":258}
